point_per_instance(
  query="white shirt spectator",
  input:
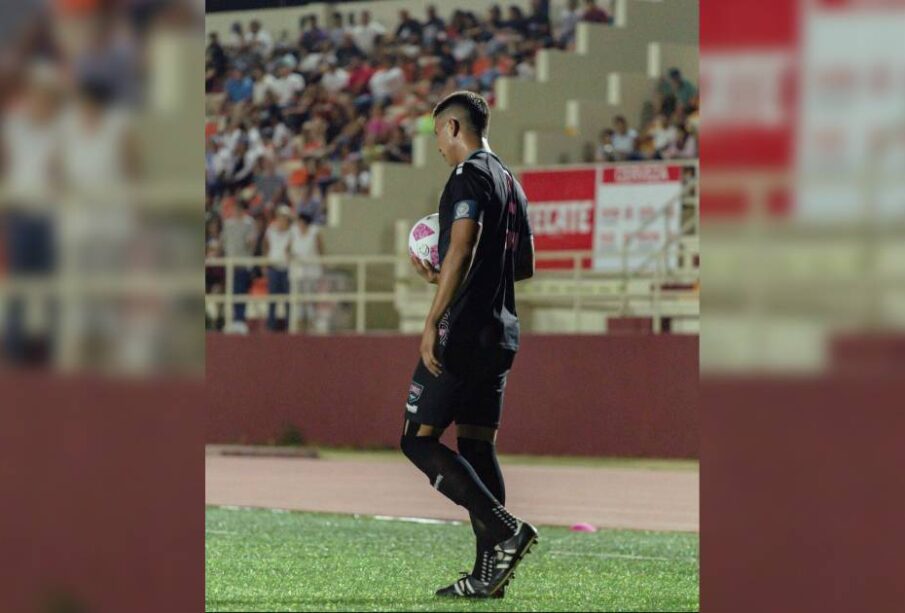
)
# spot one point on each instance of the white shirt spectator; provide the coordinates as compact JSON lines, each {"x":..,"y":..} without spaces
{"x":336,"y":35}
{"x":568,"y":21}
{"x":261,"y":41}
{"x":313,"y":60}
{"x":386,"y":83}
{"x":624,"y":144}
{"x":365,"y":35}
{"x":525,"y":70}
{"x":463,"y":49}
{"x":278,"y":245}
{"x":663,"y":136}
{"x":687,"y":151}
{"x":261,"y":87}
{"x":281,"y":134}
{"x":305,"y":246}
{"x":335,"y":79}
{"x":287,"y":87}
{"x":236,"y":39}
{"x":93,"y":155}
{"x":29,"y":148}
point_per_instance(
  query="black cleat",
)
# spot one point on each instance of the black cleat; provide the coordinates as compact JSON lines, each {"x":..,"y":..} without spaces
{"x":467,"y":587}
{"x":508,"y":555}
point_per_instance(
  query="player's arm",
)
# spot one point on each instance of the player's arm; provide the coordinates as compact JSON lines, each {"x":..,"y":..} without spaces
{"x":524,"y":255}
{"x":463,"y":240}
{"x":524,"y":258}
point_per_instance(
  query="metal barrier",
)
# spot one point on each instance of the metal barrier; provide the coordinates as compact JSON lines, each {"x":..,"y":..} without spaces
{"x":581,"y":289}
{"x":584,"y":289}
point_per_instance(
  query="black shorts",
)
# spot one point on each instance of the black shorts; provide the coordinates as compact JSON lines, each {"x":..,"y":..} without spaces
{"x":470,"y":393}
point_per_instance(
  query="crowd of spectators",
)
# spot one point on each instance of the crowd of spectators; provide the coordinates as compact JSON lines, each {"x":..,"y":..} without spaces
{"x":669,"y":126}
{"x":296,"y":117}
{"x":299,"y":116}
{"x":335,"y":98}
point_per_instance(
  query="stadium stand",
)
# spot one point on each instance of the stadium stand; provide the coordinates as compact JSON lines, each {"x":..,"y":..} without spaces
{"x":344,"y":110}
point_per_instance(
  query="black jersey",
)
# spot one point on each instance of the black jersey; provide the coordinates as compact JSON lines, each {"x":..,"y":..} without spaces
{"x":482,"y":313}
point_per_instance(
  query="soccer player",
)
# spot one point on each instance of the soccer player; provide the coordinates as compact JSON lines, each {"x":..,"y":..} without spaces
{"x":470,"y":339}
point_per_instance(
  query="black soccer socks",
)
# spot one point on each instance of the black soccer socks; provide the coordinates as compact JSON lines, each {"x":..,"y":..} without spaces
{"x":483,"y":459}
{"x":454,"y":477}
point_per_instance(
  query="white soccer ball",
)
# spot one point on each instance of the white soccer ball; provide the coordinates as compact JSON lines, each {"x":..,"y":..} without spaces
{"x":424,"y":240}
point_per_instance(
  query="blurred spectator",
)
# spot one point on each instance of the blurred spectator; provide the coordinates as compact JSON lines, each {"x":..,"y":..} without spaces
{"x":539,"y":21}
{"x":335,"y":79}
{"x":239,"y":87}
{"x":313,"y":36}
{"x":568,"y":21}
{"x":594,"y":14}
{"x":239,"y":237}
{"x":213,"y":248}
{"x":516,"y":22}
{"x":98,"y":143}
{"x":270,"y":186}
{"x":277,"y":244}
{"x":238,"y":165}
{"x":662,"y":134}
{"x":216,"y":62}
{"x":366,"y":34}
{"x":605,"y":152}
{"x":624,"y":139}
{"x":348,"y":50}
{"x":434,"y":26}
{"x":398,"y":147}
{"x":284,"y":44}
{"x":679,"y":88}
{"x":259,"y":39}
{"x":311,"y":205}
{"x":684,"y":147}
{"x":386,"y":81}
{"x":29,"y":142}
{"x":409,"y":28}
{"x":306,"y":242}
{"x":337,"y":29}
{"x":237,"y":38}
{"x":287,"y":84}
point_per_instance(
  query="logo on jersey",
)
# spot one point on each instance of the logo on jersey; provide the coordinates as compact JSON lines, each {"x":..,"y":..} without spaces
{"x":461,"y":210}
{"x":414,"y":395}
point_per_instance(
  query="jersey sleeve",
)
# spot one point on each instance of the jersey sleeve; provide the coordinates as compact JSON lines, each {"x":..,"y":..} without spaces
{"x":468,"y":194}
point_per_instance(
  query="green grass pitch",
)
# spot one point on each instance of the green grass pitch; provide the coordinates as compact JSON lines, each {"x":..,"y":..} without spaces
{"x":261,"y":560}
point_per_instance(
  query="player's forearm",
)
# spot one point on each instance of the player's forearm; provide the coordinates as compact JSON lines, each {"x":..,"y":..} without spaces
{"x":452,"y":273}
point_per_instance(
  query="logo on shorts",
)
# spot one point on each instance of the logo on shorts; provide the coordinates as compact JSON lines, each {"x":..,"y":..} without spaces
{"x":443,"y":329}
{"x":462,"y":210}
{"x":414,"y":395}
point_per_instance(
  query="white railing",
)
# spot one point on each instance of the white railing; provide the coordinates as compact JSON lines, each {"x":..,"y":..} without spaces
{"x":582,"y":289}
{"x":361,"y":297}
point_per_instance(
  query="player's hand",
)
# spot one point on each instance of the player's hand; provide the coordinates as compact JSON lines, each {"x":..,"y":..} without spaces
{"x":428,"y":350}
{"x":424,"y":270}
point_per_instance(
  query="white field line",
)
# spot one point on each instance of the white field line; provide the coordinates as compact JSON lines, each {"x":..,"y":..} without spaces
{"x":415,"y":520}
{"x":617,"y":556}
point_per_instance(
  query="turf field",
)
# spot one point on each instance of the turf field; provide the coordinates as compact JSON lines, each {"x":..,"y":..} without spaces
{"x":261,"y":560}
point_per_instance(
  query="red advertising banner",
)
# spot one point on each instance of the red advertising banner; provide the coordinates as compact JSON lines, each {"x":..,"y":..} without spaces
{"x":596,"y":208}
{"x":561,"y":209}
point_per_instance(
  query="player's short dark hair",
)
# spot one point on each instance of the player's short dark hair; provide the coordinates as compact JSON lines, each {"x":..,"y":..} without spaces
{"x":474,"y":105}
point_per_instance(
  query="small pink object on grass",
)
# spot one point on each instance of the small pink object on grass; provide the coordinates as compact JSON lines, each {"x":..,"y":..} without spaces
{"x":583,"y":527}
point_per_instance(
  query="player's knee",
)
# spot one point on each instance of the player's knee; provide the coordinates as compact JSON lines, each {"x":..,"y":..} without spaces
{"x":485,"y":435}
{"x":416,"y":437}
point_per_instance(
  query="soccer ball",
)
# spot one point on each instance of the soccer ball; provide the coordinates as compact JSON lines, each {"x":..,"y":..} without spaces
{"x":424,"y":240}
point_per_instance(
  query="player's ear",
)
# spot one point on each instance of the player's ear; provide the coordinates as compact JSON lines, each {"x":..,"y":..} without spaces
{"x":454,"y":127}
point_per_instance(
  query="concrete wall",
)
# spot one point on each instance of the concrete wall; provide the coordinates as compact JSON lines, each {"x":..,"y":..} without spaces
{"x":567,"y":395}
